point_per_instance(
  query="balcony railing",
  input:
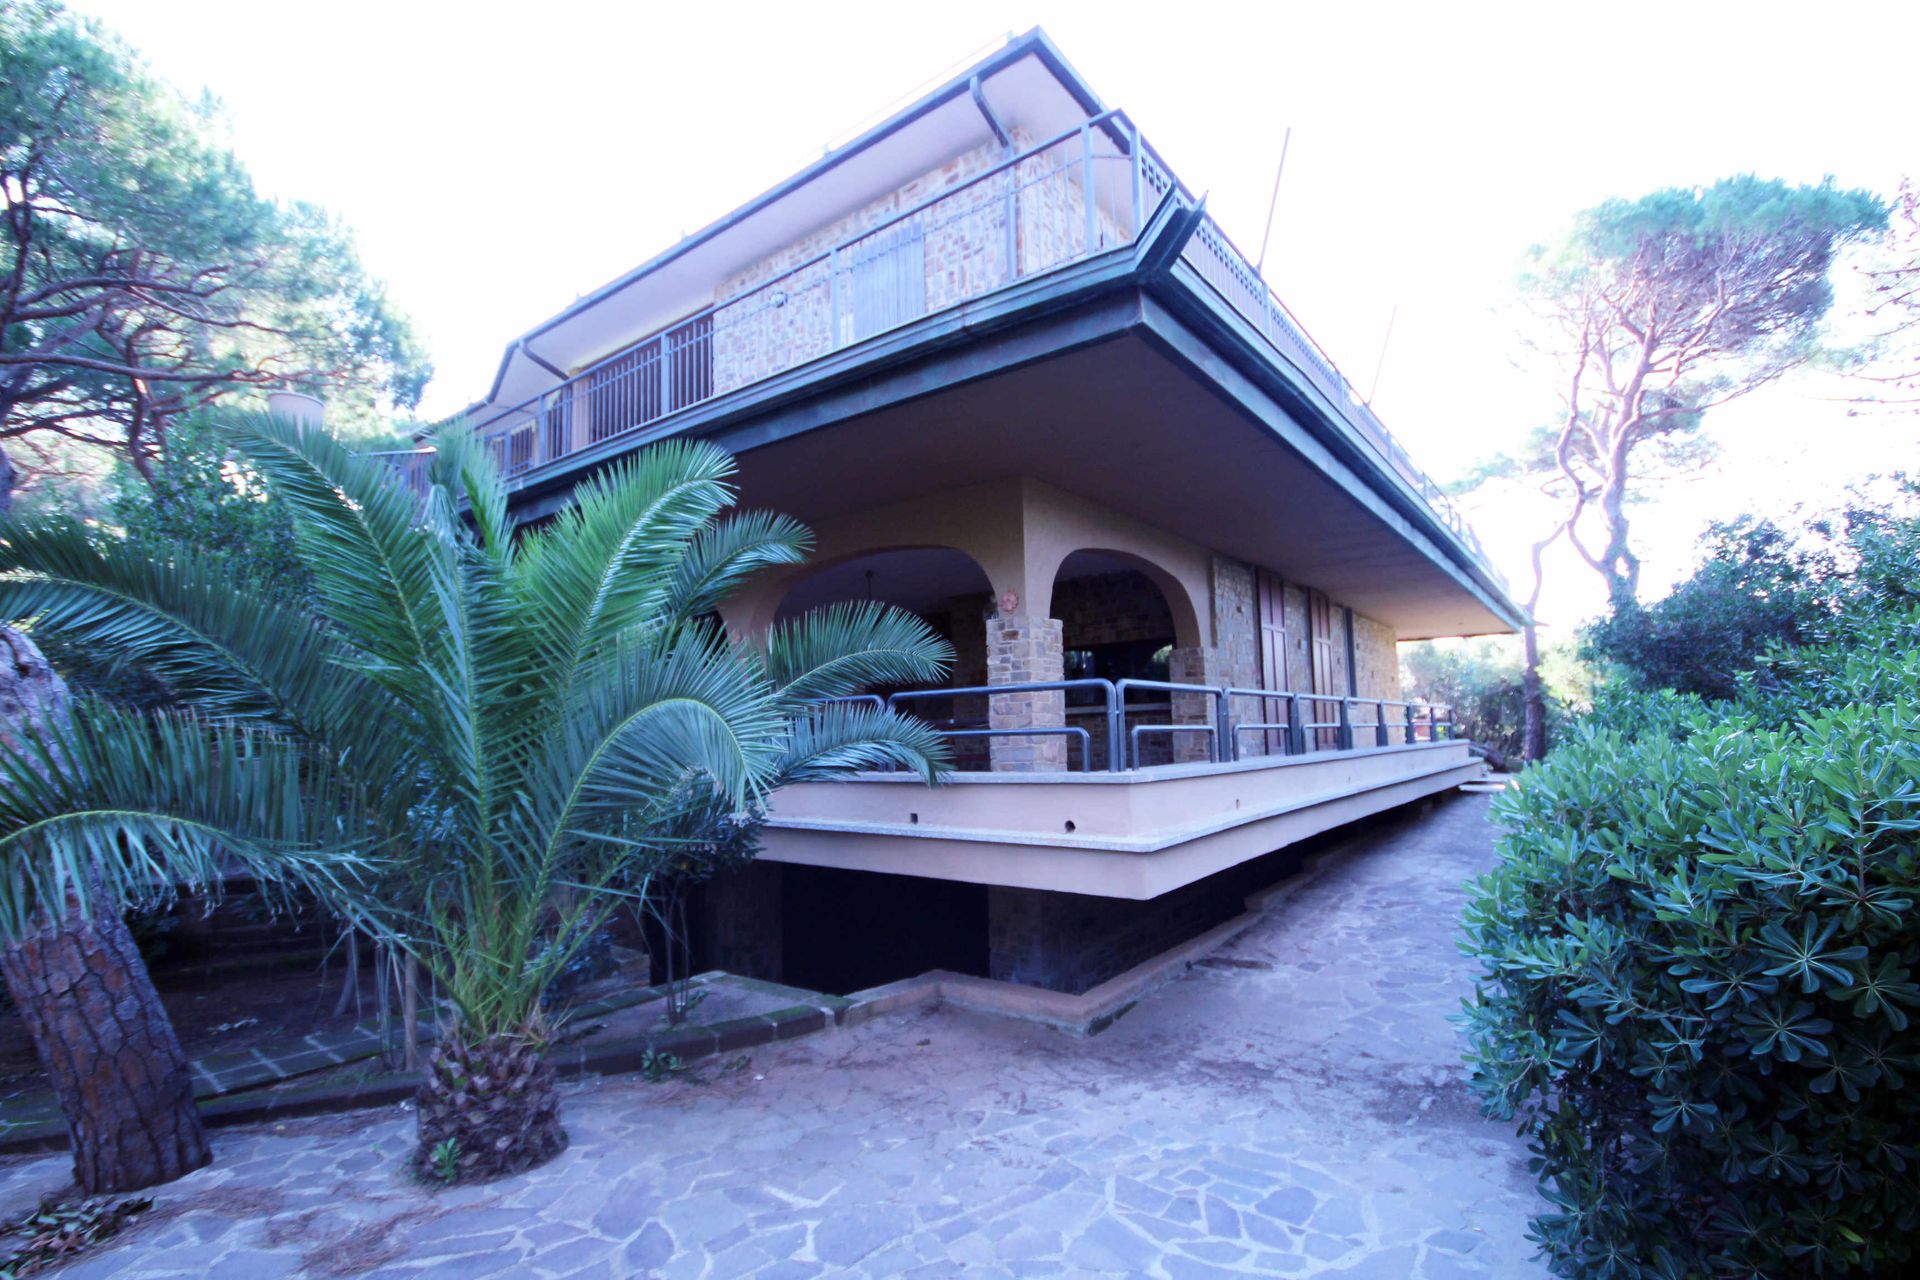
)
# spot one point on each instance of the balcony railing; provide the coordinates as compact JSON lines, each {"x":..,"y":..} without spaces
{"x":1056,"y":203}
{"x":1290,"y":723}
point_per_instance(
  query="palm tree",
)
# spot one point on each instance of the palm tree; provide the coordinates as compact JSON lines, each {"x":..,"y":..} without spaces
{"x":524,"y":717}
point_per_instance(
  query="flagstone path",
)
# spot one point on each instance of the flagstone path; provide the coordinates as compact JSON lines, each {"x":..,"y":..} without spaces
{"x":1292,"y":1106}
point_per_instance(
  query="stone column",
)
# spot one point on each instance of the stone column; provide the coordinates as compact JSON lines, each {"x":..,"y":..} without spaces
{"x":1022,"y":649}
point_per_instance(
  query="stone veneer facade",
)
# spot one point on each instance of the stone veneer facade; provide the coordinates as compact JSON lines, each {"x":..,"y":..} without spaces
{"x":1032,"y":214}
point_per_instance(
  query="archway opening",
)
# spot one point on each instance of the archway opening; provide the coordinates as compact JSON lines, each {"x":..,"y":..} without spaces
{"x":946,"y":589}
{"x":1115,"y":623}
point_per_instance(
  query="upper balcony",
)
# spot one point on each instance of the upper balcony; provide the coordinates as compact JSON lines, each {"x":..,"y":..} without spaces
{"x":991,"y":227}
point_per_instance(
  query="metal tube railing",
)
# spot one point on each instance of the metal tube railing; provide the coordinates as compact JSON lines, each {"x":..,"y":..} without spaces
{"x":1105,"y":687}
{"x":1123,"y":742}
{"x":1133,"y":737}
{"x":1068,"y":731}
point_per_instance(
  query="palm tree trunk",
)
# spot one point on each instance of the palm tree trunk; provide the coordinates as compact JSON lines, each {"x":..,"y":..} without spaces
{"x":110,"y":1049}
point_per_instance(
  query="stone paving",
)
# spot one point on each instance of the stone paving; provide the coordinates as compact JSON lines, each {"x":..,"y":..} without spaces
{"x":1292,"y":1106}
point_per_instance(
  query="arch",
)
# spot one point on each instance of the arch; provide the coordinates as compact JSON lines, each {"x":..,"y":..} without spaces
{"x":1183,"y":609}
{"x":912,"y":575}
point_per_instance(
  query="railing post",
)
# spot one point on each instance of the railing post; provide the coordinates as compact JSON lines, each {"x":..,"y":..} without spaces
{"x":1223,"y":735}
{"x":1093,"y":212}
{"x":1116,"y":734}
{"x":1296,"y":732}
{"x":833,"y":298}
{"x":666,"y":373}
{"x":1380,"y":723}
{"x":1410,"y":737}
{"x":1346,"y":725}
{"x":1139,"y":179}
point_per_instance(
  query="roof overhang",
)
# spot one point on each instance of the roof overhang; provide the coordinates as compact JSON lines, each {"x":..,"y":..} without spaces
{"x":1123,"y":378}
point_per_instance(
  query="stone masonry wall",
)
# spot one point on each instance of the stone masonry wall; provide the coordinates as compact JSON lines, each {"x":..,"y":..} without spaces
{"x":1034,"y":213}
{"x":1021,"y":649}
{"x":1111,"y":608}
{"x":1377,"y":658}
{"x":1073,"y":942}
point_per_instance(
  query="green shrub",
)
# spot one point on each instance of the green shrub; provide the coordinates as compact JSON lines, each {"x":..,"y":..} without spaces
{"x":1480,"y":680}
{"x":1755,"y":587}
{"x":1699,"y":994}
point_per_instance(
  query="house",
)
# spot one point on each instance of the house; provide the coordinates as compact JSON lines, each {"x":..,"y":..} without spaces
{"x":997,"y":355}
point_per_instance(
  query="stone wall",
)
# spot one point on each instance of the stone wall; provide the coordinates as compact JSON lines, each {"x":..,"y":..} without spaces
{"x":1111,"y":608}
{"x":1024,"y":649}
{"x":1377,"y":658}
{"x":956,"y":248}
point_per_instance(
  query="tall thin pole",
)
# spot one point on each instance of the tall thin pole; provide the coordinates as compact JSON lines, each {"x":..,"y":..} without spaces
{"x":1274,"y":202}
{"x":1382,"y":362}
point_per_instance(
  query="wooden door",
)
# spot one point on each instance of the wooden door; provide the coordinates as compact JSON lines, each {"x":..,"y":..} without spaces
{"x":1320,"y":643}
{"x":1270,"y":607}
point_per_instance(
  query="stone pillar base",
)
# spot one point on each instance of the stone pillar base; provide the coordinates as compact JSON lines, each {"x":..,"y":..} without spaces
{"x":1024,"y":649}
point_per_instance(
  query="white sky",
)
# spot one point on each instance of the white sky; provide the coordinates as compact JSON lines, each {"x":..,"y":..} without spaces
{"x":498,"y":159}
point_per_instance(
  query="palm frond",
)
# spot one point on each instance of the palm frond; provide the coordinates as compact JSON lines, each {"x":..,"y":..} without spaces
{"x":830,"y":741}
{"x":465,"y":468}
{"x":642,"y":721}
{"x":357,"y":529}
{"x":844,"y":649}
{"x":171,"y":611}
{"x":135,"y":807}
{"x":726,"y":552}
{"x":605,"y":563}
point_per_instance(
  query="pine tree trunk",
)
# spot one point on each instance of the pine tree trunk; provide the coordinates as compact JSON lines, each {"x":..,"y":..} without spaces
{"x":96,"y":1021}
{"x":1533,"y":741}
{"x":110,"y":1050}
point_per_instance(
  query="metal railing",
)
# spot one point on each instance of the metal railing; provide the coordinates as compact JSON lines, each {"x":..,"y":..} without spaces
{"x":1216,"y":259}
{"x":1060,"y":201}
{"x":1300,"y":733}
{"x":1052,"y":204}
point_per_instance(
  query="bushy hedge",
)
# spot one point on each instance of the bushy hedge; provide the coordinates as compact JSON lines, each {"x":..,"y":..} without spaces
{"x":1699,"y":995}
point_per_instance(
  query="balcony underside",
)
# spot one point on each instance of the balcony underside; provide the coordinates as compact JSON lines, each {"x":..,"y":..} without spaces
{"x":1133,"y":835}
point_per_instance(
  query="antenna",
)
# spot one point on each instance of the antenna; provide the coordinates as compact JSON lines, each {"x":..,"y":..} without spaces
{"x":1273,"y":203}
{"x":1382,"y":363}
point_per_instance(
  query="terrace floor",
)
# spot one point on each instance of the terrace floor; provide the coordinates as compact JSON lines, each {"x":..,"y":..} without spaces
{"x":1293,"y":1105}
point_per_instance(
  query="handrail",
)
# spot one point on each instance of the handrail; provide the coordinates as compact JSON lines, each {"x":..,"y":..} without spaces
{"x":1223,"y":734}
{"x":1106,"y":687}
